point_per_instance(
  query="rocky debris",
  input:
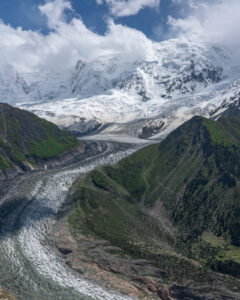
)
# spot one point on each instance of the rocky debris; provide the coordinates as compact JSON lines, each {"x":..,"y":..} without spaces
{"x":92,"y":258}
{"x":2,"y":176}
{"x":165,"y":294}
{"x":10,"y":173}
{"x":97,"y":260}
{"x":5,"y":295}
{"x":66,"y":244}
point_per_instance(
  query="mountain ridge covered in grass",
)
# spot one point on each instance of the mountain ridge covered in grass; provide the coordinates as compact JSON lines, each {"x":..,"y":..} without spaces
{"x":27,"y":140}
{"x":162,"y":202}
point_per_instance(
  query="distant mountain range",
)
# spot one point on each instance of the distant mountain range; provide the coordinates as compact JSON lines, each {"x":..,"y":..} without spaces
{"x":115,"y":94}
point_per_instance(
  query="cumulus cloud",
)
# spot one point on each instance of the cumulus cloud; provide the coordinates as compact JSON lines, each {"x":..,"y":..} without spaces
{"x":123,"y":8}
{"x":214,"y":21}
{"x":54,"y":11}
{"x":67,"y":42}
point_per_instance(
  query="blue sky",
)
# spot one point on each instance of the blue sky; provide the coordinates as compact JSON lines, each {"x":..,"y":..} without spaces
{"x":151,"y":21}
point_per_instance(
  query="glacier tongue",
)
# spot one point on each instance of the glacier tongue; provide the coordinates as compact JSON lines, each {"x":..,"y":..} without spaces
{"x":113,"y":93}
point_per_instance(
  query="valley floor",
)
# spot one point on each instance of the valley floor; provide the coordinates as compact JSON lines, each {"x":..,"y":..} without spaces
{"x":30,"y":269}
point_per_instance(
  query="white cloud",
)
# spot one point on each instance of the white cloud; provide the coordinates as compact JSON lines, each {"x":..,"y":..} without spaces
{"x":67,"y":42}
{"x":54,"y":11}
{"x":70,"y":41}
{"x":217,"y":21}
{"x":123,"y":8}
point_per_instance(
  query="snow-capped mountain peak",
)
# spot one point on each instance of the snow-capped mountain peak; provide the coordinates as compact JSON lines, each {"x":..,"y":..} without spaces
{"x":122,"y":91}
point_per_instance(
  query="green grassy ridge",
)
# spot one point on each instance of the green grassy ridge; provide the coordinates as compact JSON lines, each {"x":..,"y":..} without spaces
{"x":193,"y":173}
{"x":191,"y":165}
{"x":51,"y":147}
{"x":26,"y":137}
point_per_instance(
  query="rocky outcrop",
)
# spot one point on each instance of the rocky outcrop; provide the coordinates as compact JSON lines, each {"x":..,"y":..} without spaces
{"x":152,"y":128}
{"x":84,"y":127}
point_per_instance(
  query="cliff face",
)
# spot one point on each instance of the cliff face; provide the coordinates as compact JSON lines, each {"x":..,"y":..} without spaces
{"x":28,"y":142}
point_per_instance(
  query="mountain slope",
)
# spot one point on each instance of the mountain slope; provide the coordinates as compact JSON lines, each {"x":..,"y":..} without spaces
{"x":194,"y":172}
{"x":26,"y":141}
{"x":159,"y":203}
{"x":201,"y":149}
